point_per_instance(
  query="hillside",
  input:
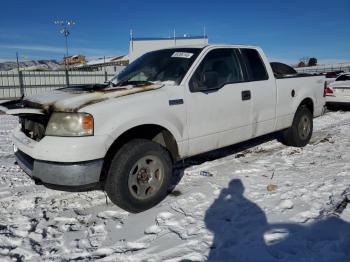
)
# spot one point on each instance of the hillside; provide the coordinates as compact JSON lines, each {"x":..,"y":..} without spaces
{"x":31,"y":65}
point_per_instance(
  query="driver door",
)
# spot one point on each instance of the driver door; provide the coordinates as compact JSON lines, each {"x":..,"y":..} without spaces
{"x":219,"y":107}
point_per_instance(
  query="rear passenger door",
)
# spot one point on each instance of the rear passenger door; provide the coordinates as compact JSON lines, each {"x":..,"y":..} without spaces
{"x":262,"y":87}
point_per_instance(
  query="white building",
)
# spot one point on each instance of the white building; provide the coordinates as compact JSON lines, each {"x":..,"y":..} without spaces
{"x":140,"y":46}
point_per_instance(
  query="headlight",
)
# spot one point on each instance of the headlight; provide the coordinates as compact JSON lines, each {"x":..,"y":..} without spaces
{"x":70,"y":124}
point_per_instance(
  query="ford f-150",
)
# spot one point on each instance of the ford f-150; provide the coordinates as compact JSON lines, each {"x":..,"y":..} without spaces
{"x":167,"y":105}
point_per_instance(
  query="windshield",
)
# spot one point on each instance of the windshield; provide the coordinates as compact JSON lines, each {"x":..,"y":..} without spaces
{"x":161,"y":65}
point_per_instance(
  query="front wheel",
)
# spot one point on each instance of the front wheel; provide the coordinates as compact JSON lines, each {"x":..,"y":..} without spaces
{"x":299,"y":134}
{"x":139,"y":175}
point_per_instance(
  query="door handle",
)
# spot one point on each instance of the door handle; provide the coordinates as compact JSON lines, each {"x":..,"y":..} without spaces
{"x":246,"y":95}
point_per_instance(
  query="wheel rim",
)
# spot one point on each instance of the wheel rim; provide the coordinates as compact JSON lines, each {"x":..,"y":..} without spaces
{"x":146,"y":177}
{"x":304,"y":127}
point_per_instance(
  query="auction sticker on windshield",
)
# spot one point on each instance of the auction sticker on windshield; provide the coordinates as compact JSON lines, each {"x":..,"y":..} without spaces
{"x":182,"y":55}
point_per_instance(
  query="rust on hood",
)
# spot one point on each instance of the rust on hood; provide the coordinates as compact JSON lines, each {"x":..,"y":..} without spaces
{"x":65,"y":101}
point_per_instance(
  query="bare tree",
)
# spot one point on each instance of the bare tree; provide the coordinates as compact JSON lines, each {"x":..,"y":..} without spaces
{"x":312,"y":61}
{"x":301,"y":64}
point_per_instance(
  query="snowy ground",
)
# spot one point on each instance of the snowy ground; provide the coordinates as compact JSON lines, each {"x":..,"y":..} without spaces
{"x":264,"y":202}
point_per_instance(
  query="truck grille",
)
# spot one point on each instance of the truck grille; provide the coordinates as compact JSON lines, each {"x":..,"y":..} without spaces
{"x":34,"y":126}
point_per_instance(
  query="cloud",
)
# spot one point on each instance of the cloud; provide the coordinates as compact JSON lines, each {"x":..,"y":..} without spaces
{"x":60,"y":50}
{"x":283,"y":60}
{"x":332,"y":61}
{"x":2,"y":60}
{"x":320,"y":61}
{"x":51,"y":49}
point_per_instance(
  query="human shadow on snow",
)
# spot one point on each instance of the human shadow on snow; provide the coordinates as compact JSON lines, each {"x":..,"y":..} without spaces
{"x":242,"y":233}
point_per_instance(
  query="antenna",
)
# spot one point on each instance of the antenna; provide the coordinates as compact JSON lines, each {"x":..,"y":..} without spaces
{"x":131,"y":40}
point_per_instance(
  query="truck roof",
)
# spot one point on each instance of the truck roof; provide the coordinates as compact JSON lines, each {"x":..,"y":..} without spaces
{"x":214,"y":45}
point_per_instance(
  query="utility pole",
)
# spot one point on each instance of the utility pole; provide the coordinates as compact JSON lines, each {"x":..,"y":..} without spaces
{"x":20,"y":77}
{"x":17,"y":62}
{"x":64,"y":25}
{"x":104,"y":65}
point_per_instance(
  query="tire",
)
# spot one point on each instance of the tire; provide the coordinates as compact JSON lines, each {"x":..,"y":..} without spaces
{"x":139,"y":175}
{"x":299,"y":134}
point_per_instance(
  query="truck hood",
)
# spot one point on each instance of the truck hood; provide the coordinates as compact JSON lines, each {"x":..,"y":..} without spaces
{"x":71,"y":99}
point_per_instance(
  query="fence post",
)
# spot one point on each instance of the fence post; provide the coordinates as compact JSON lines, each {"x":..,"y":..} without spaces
{"x":21,"y":85}
{"x":67,"y":78}
{"x":106,"y":77}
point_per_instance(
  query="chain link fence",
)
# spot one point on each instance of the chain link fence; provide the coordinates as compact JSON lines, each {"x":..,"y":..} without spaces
{"x":15,"y":85}
{"x":324,"y":69}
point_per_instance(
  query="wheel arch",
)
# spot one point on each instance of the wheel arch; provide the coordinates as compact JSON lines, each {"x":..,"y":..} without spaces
{"x":308,"y":103}
{"x":153,"y":132}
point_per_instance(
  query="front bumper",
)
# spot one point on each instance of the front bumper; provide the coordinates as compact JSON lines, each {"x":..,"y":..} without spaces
{"x":71,"y":175}
{"x":62,"y":149}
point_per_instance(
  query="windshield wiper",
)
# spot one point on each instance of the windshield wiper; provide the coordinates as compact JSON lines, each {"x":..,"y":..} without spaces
{"x":110,"y":83}
{"x":134,"y":83}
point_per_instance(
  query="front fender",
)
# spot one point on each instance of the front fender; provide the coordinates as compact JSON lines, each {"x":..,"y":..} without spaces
{"x":115,"y":117}
{"x":176,"y":129}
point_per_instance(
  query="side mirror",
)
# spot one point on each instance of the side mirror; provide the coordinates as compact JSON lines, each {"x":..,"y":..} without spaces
{"x":209,"y":81}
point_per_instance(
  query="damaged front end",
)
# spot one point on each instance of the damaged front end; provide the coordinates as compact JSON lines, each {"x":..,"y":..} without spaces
{"x":54,"y":141}
{"x":34,"y":112}
{"x":34,"y":126}
{"x":33,"y":121}
{"x":49,"y":160}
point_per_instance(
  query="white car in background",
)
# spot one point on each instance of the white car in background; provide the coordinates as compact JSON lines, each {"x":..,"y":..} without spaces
{"x":338,"y":92}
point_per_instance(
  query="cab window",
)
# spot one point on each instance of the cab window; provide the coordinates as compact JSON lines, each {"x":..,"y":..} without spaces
{"x":218,"y":68}
{"x":256,"y":70}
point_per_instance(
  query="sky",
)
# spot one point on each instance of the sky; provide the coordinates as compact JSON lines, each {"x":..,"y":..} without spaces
{"x":286,"y":30}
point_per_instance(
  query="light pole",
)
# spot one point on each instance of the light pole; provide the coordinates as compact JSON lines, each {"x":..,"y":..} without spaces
{"x":64,"y":25}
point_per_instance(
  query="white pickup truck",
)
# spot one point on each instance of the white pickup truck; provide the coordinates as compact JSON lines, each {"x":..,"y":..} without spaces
{"x":167,"y":105}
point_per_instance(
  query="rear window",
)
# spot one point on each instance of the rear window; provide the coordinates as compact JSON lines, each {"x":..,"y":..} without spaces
{"x":255,"y":66}
{"x":281,"y":69}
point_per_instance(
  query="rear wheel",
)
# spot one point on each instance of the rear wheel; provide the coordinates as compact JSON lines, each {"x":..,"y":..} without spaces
{"x":299,"y":134}
{"x":139,"y":175}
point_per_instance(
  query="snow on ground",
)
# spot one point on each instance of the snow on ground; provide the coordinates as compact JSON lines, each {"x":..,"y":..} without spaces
{"x":264,"y":202}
